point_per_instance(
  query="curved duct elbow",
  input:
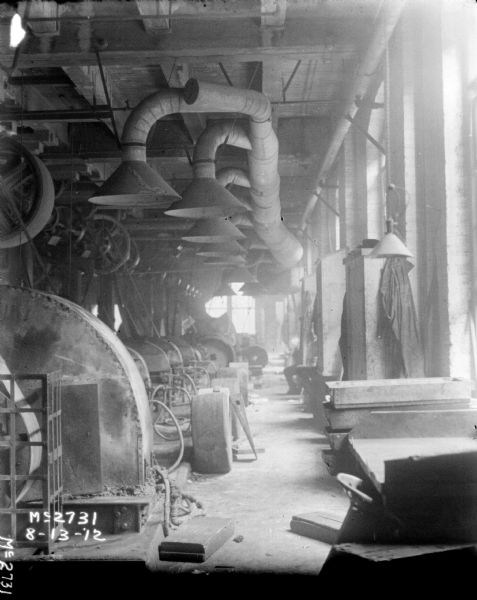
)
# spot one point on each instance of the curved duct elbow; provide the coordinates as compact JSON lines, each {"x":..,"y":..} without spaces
{"x":233,"y":176}
{"x":264,"y":181}
{"x":196,"y":97}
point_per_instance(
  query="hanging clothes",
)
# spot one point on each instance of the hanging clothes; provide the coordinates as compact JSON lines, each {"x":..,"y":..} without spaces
{"x":397,"y":321}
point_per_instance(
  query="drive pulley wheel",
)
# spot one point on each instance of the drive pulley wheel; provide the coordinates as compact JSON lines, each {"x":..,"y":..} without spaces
{"x":211,"y":432}
{"x":27,"y":194}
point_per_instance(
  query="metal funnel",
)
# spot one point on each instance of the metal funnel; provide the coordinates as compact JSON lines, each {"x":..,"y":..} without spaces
{"x":211,"y":231}
{"x":390,"y":246}
{"x":239,"y":275}
{"x":222,"y":249}
{"x":135,"y":184}
{"x":224,"y":290}
{"x":205,"y":198}
{"x":226,"y":261}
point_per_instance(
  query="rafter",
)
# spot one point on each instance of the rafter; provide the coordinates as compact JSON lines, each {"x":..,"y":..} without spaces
{"x":87,"y":81}
{"x":177,"y":74}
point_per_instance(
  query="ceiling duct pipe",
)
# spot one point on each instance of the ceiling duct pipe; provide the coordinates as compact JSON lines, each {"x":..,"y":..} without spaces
{"x":264,"y":181}
{"x":234,"y":176}
{"x":134,"y":181}
{"x":386,"y":22}
{"x":205,"y":197}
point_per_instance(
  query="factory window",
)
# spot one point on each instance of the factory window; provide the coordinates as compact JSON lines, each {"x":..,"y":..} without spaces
{"x":243,"y":314}
{"x":240,"y":308}
{"x":217,"y":306}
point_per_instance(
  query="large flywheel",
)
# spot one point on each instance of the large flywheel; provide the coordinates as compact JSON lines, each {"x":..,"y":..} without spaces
{"x":27,"y":194}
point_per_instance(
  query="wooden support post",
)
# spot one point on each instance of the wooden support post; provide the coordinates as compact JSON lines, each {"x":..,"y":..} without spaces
{"x":106,"y":300}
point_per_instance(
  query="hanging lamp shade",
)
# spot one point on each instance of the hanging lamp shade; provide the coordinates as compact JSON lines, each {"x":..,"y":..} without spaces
{"x":231,"y":248}
{"x":134,"y":184}
{"x":211,"y":231}
{"x":239,"y":275}
{"x":253,"y":242}
{"x":390,"y":246}
{"x":205,"y":198}
{"x":224,"y":289}
{"x":253,"y":289}
{"x":238,"y":261}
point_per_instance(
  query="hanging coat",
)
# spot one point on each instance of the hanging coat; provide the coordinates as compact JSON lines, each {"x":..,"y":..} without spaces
{"x":397,"y":322}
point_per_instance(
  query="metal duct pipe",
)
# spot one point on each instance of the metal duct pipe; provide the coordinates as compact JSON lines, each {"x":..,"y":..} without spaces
{"x":387,"y":20}
{"x":264,"y":181}
{"x":263,"y":156}
{"x":234,"y":176}
{"x":213,"y":136}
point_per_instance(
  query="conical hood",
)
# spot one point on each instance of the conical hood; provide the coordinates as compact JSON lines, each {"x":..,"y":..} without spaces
{"x":205,"y":198}
{"x":224,"y":290}
{"x":226,"y":260}
{"x":253,"y":242}
{"x":223,"y":249}
{"x":390,"y":246}
{"x":135,"y":184}
{"x":239,"y":275}
{"x":253,"y":289}
{"x":211,"y":231}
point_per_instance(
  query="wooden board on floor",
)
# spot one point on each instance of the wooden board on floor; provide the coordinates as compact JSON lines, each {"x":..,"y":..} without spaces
{"x":196,"y":540}
{"x":320,"y":526}
{"x":387,"y":552}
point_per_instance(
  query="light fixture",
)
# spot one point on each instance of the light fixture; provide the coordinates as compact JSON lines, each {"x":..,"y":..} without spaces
{"x":222,"y":249}
{"x":253,"y":289}
{"x":205,"y":198}
{"x":210,"y":231}
{"x":238,"y":261}
{"x":17,"y":33}
{"x":253,"y":242}
{"x":239,"y":275}
{"x":134,"y":184}
{"x":390,"y":246}
{"x":224,"y":289}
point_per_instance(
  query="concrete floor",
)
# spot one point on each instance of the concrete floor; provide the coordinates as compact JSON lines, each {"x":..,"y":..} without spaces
{"x":261,"y":496}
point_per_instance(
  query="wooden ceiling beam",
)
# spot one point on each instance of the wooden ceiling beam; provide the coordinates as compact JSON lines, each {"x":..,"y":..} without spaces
{"x":157,"y":25}
{"x":236,"y":40}
{"x":87,"y":80}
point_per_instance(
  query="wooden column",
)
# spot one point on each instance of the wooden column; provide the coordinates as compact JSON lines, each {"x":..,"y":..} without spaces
{"x":106,"y":300}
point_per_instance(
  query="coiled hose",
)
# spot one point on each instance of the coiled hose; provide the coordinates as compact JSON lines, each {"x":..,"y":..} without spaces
{"x":164,"y":473}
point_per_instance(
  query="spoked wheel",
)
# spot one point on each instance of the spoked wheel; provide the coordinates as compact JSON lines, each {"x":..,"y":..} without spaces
{"x":111,"y":243}
{"x":27,"y":194}
{"x":168,"y":415}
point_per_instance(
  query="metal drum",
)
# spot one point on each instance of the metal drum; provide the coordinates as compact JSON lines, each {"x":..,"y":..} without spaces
{"x":219,"y":352}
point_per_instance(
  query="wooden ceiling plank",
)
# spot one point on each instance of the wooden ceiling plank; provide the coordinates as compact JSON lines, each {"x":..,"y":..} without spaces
{"x":87,"y":80}
{"x":160,"y":8}
{"x":177,"y":74}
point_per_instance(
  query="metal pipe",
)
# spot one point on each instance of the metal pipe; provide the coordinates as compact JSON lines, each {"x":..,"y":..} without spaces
{"x":387,"y":20}
{"x":234,"y":176}
{"x":263,"y":155}
{"x":225,"y":132}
